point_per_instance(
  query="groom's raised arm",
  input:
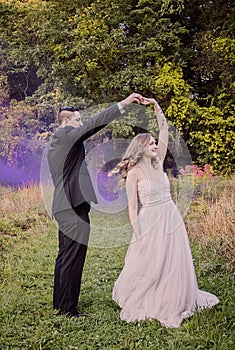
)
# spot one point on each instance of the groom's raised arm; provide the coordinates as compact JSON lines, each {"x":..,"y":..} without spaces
{"x":100,"y":120}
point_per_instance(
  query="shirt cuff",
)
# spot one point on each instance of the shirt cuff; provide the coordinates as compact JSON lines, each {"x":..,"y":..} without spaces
{"x":121,"y":109}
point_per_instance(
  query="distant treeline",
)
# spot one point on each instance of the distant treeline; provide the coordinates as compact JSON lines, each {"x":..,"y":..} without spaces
{"x":86,"y":52}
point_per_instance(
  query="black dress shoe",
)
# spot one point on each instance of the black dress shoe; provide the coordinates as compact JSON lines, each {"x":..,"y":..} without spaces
{"x":76,"y":315}
{"x":70,"y":314}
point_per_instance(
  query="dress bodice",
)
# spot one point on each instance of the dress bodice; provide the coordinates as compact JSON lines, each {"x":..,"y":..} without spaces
{"x":153,"y":192}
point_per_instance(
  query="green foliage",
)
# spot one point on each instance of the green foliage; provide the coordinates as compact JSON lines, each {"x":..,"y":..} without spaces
{"x":213,"y":138}
{"x":211,"y":28}
{"x":20,"y":134}
{"x":175,"y":92}
{"x":90,"y":52}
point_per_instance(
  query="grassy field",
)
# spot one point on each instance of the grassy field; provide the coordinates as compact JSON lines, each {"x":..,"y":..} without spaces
{"x":28,"y":247}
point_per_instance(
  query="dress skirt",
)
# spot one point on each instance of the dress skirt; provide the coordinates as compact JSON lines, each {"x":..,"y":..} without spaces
{"x":158,"y":279}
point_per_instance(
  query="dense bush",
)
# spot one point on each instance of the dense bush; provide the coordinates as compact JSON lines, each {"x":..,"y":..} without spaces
{"x":90,"y":52}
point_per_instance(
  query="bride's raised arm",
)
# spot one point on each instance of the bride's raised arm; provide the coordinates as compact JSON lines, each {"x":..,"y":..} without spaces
{"x":163,"y":134}
{"x":163,"y":127}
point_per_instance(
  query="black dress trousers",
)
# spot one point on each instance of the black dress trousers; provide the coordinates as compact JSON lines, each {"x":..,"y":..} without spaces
{"x":74,"y":230}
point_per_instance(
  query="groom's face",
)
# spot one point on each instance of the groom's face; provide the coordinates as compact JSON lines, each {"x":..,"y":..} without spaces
{"x":75,"y":120}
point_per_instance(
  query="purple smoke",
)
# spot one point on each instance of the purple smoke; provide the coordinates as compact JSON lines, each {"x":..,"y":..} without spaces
{"x":14,"y":176}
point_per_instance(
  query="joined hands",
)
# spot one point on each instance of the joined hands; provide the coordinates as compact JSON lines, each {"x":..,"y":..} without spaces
{"x":139,"y":99}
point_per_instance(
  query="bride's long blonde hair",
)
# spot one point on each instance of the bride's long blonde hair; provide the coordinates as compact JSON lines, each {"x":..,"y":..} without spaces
{"x":132,"y":156}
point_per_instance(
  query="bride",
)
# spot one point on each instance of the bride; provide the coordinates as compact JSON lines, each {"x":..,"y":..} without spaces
{"x":158,"y":279}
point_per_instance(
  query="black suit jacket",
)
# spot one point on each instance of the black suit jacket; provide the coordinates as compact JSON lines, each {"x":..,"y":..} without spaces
{"x":66,"y":159}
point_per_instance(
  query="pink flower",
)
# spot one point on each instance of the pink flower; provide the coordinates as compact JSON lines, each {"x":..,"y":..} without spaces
{"x":207,"y":169}
{"x":196,"y":170}
{"x":200,"y":173}
{"x":188,"y":168}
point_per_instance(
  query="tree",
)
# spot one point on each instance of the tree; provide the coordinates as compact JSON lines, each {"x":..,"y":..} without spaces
{"x":88,"y":52}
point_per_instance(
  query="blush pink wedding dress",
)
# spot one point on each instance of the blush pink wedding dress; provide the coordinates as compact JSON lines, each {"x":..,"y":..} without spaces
{"x":158,"y":279}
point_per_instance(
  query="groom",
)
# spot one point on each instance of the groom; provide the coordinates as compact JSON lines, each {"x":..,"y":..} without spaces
{"x":73,"y":192}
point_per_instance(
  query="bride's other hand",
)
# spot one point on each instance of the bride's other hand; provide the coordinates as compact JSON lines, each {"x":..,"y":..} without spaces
{"x":148,"y":101}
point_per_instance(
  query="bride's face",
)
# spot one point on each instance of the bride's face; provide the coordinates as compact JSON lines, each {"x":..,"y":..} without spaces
{"x":150,"y":150}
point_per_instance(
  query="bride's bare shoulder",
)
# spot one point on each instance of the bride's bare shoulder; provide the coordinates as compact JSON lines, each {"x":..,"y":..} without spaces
{"x":135,"y":171}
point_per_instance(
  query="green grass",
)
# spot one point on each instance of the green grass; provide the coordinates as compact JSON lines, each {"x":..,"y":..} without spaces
{"x":27,"y":320}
